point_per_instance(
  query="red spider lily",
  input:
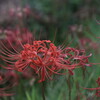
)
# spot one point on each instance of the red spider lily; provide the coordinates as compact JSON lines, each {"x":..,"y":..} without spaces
{"x":14,"y":35}
{"x":45,"y":58}
{"x":7,"y":80}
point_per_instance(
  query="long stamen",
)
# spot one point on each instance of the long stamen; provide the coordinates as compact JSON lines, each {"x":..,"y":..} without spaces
{"x":12,"y":46}
{"x":6,"y":49}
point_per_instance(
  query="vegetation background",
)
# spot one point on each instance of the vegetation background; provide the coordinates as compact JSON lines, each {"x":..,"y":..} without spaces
{"x":72,"y":21}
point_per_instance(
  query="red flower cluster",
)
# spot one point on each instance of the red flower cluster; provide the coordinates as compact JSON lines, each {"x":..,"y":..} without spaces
{"x":45,"y":59}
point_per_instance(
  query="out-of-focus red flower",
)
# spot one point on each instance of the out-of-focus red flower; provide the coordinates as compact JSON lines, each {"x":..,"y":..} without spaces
{"x":45,"y":58}
{"x":98,"y":81}
{"x":28,"y":74}
{"x":87,"y":43}
{"x":20,"y":12}
{"x":8,"y":80}
{"x":16,"y":36}
{"x":27,"y":10}
{"x":96,"y":89}
{"x":97,"y":93}
{"x":1,"y":78}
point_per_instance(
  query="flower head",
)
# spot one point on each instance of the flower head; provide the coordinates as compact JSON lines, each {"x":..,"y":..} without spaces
{"x":45,"y":58}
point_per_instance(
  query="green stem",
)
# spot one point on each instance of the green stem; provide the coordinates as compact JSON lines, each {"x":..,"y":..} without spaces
{"x":43,"y":91}
{"x":69,"y":86}
{"x":69,"y":91}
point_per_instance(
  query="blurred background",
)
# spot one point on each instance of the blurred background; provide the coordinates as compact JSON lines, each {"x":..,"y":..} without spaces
{"x":77,"y":22}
